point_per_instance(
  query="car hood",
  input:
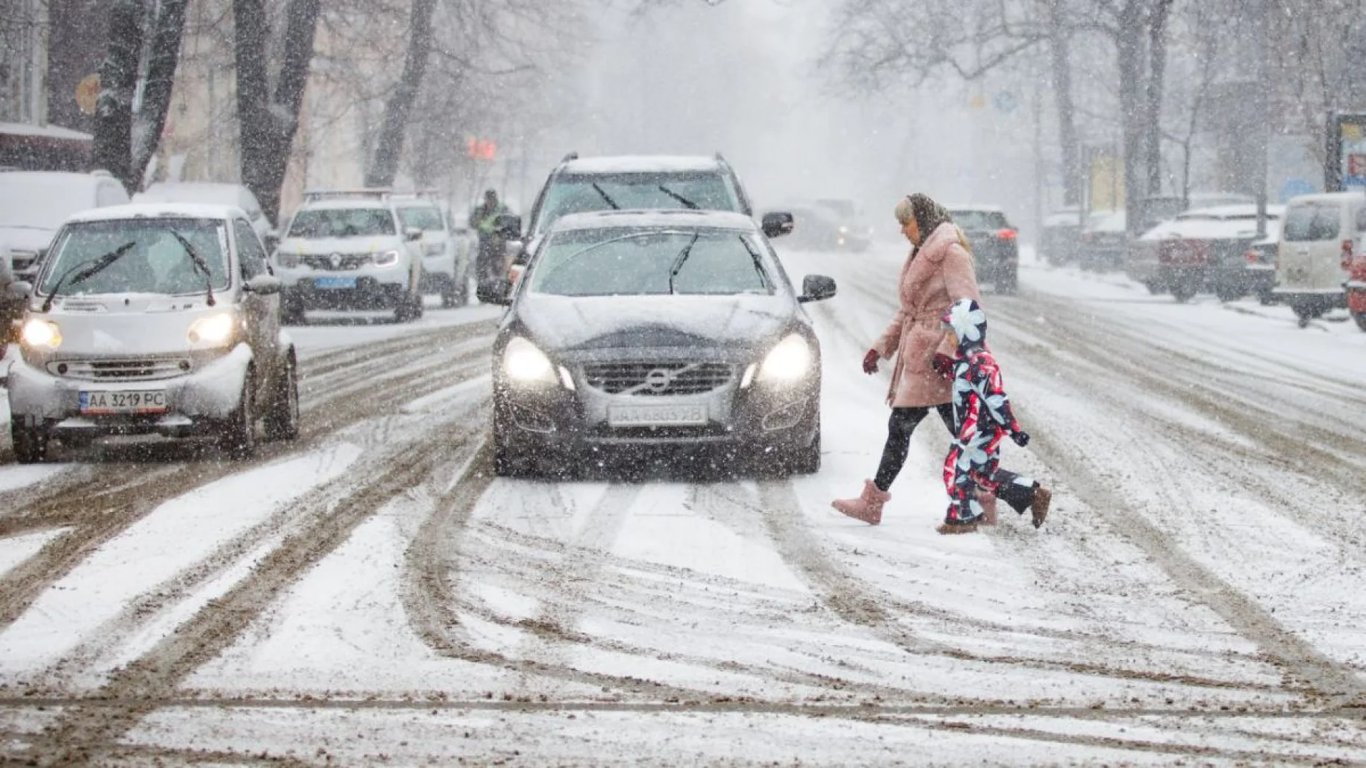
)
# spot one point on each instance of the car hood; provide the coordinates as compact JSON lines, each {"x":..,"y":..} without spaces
{"x":327,"y":245}
{"x":126,"y":324}
{"x":565,"y":323}
{"x":25,"y":238}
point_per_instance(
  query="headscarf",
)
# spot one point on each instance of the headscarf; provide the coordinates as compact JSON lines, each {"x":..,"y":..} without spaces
{"x":928,"y":216}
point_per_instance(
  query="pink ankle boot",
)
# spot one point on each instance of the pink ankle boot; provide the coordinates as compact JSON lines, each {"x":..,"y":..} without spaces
{"x":867,"y":507}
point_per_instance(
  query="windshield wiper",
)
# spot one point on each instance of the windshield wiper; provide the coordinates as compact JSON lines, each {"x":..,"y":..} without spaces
{"x":86,"y":270}
{"x":758,"y":264}
{"x":605,"y":196}
{"x":690,"y":205}
{"x":678,"y":260}
{"x":199,"y":263}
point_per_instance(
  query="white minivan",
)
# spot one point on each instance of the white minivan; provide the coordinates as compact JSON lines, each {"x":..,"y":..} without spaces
{"x":1316,"y":232}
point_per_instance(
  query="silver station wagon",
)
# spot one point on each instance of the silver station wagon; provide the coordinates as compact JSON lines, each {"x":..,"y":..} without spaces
{"x":153,"y":319}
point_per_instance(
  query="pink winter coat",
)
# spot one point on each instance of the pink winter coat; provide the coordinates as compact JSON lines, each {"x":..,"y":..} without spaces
{"x":935,"y":277}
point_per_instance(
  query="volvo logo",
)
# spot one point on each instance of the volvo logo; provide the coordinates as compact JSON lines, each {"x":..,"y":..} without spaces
{"x":335,"y":260}
{"x":658,"y":380}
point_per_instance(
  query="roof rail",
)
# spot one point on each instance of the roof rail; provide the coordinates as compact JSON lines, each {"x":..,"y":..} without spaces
{"x":571,"y":156}
{"x":378,"y":193}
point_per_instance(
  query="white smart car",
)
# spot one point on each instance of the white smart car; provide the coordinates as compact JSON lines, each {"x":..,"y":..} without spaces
{"x":153,"y":319}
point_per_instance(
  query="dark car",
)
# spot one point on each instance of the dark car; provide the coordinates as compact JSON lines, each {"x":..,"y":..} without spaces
{"x":820,"y":230}
{"x":672,"y":329}
{"x":994,"y":245}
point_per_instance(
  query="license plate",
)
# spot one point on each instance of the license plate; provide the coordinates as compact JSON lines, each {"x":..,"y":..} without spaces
{"x":657,"y":415}
{"x":138,"y":401}
{"x":334,"y":282}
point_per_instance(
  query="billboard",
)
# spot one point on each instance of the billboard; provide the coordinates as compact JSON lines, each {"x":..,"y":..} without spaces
{"x":1346,"y":166}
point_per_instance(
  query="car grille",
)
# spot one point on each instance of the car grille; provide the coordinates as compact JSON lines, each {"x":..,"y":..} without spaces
{"x":132,"y":369}
{"x":345,"y":261}
{"x":656,"y":379}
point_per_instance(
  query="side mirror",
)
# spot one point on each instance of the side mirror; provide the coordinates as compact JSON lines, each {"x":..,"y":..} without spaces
{"x":412,"y":234}
{"x":262,"y":284}
{"x":495,"y":292}
{"x":816,"y":288}
{"x":19,"y":290}
{"x":778,"y":223}
{"x":509,"y":225}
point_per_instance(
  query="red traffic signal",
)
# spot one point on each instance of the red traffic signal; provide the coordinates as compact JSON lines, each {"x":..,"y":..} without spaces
{"x":481,"y":149}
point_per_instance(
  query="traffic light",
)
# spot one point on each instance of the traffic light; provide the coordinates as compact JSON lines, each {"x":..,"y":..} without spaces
{"x":481,"y":149}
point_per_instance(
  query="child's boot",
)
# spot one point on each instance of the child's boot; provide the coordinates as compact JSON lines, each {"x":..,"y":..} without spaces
{"x":867,"y":507}
{"x":1038,"y":509}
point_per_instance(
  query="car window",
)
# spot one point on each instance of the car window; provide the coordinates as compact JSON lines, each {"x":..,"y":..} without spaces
{"x":639,"y":261}
{"x":970,"y":219}
{"x":249,"y":250}
{"x":155,"y":261}
{"x":424,"y":217}
{"x":1307,"y":222}
{"x":570,"y":193}
{"x":342,"y":222}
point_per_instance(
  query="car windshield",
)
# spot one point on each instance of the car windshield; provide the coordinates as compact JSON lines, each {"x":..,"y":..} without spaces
{"x":599,"y":192}
{"x":342,"y":222}
{"x":648,"y":261}
{"x":971,"y":219}
{"x":423,"y":217}
{"x":40,"y":201}
{"x":1311,"y":221}
{"x":156,"y":262}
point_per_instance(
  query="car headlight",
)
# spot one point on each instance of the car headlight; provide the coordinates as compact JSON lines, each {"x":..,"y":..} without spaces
{"x":787,"y":362}
{"x":525,"y":364}
{"x":214,"y":330}
{"x":41,"y":333}
{"x":385,"y":259}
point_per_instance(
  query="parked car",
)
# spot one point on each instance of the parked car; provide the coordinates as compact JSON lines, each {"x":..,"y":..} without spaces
{"x":1159,"y":208}
{"x":853,"y":232}
{"x":33,"y":204}
{"x":657,"y":328}
{"x":1104,"y":240}
{"x":1206,"y":249}
{"x":348,"y":249}
{"x":579,"y":185}
{"x":1314,"y":254}
{"x":1061,"y":236}
{"x":820,"y":230}
{"x":214,"y":193}
{"x":994,"y":242}
{"x":153,"y":319}
{"x":445,"y":247}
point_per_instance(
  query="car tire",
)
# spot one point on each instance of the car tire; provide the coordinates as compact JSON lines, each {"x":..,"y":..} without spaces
{"x":238,"y":437}
{"x":1153,"y":287}
{"x":409,"y":308}
{"x":1183,"y":291}
{"x":807,"y":459}
{"x":30,"y":443}
{"x":1226,"y":293}
{"x":282,"y":420}
{"x":449,"y":298}
{"x":1360,"y":318}
{"x":1265,"y":297}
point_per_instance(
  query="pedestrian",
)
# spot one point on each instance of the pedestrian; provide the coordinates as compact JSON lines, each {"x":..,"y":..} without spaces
{"x":982,"y":417}
{"x":489,"y":262}
{"x":938,"y":270}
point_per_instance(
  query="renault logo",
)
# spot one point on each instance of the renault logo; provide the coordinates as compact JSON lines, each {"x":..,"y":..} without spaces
{"x":335,"y":260}
{"x":658,"y":380}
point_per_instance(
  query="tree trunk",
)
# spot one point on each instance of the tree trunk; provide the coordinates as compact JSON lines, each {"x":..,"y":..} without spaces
{"x":267,"y":122}
{"x":397,"y":109}
{"x":1157,"y":72}
{"x":167,"y":30}
{"x":118,"y":81}
{"x":1129,"y":53}
{"x":1060,"y":44}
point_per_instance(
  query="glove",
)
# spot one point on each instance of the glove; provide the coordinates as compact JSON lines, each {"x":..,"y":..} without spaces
{"x":870,"y":361}
{"x":1021,"y":438}
{"x":943,"y":365}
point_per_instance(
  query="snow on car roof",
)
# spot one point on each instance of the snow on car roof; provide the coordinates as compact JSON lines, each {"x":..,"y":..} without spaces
{"x":158,"y":210}
{"x":346,"y":202}
{"x":1212,"y":228}
{"x":641,"y":164}
{"x":654,"y":218}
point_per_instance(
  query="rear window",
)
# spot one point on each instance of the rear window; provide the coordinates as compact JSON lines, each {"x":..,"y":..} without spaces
{"x":1308,"y":222}
{"x":980,"y":219}
{"x":709,"y":191}
{"x":342,"y":222}
{"x":423,"y":217}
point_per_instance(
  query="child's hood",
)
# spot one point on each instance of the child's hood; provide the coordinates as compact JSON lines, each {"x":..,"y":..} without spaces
{"x":967,"y":320}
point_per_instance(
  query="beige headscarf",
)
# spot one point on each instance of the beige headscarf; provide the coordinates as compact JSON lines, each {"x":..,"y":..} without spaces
{"x":928,"y":216}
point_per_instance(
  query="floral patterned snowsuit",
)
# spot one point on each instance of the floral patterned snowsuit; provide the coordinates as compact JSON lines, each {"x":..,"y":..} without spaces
{"x":981,"y":416}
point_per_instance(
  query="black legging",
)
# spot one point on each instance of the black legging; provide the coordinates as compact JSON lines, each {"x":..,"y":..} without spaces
{"x":899,"y":428}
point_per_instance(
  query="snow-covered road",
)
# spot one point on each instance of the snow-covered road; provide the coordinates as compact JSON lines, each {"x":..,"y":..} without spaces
{"x":371,"y":593}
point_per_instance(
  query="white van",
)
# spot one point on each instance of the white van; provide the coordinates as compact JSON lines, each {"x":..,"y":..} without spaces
{"x":1309,"y":258}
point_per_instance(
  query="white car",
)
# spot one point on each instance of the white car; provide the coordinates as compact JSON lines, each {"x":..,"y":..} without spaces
{"x":213,"y":193}
{"x":1319,"y":234}
{"x":348,"y":249}
{"x":33,"y":204}
{"x":155,"y":319}
{"x":445,"y":247}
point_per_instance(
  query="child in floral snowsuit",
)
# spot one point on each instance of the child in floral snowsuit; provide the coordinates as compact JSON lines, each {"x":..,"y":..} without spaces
{"x":981,"y":418}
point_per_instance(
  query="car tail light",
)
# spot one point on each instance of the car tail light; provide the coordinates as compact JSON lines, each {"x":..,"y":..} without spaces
{"x":1006,"y":234}
{"x":1252,"y":256}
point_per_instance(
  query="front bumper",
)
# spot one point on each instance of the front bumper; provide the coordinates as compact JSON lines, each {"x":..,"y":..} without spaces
{"x":1318,"y":299}
{"x":195,"y":401}
{"x":366,"y":293}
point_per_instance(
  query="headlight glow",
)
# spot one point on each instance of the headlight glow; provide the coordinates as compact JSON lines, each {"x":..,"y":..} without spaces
{"x":216,"y":329}
{"x":385,"y":259}
{"x":41,"y":333}
{"x":787,"y":362}
{"x":525,"y":364}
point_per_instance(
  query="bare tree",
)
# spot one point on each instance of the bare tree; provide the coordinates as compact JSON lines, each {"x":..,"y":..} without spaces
{"x":400,"y":104}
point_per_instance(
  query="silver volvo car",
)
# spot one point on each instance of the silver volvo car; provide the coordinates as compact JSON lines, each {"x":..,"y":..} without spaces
{"x":663,"y":328}
{"x":153,"y":319}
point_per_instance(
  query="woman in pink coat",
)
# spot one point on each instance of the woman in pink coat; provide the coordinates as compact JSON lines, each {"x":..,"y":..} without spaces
{"x":937,"y":273}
